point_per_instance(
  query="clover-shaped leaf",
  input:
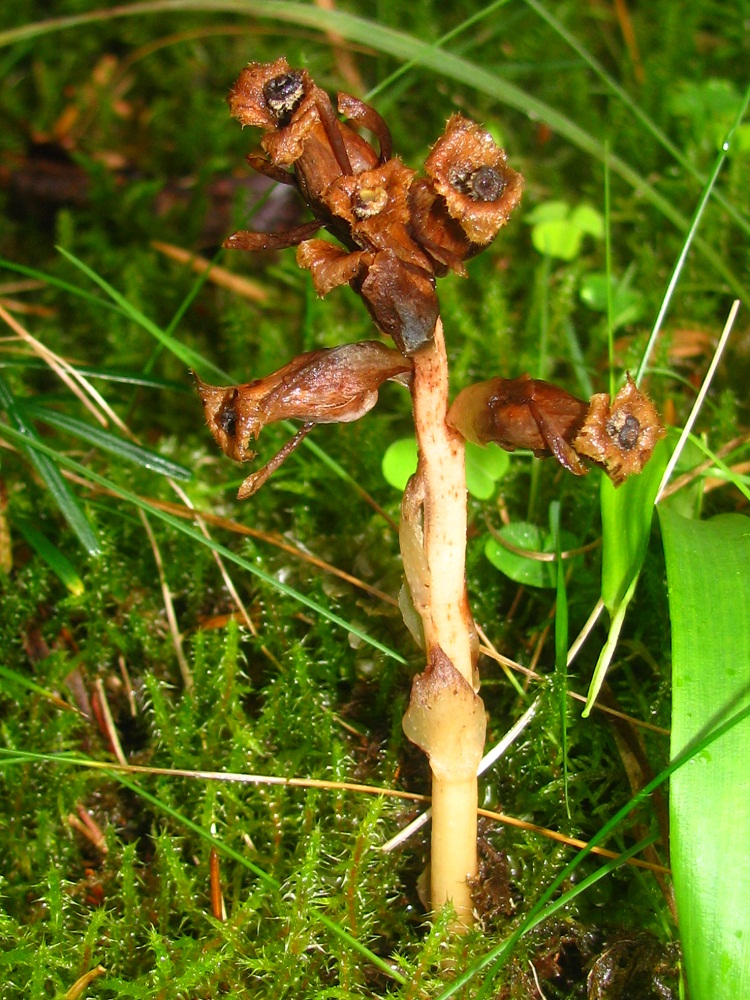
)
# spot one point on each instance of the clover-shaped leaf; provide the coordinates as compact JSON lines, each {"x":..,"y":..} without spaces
{"x":484,"y":466}
{"x":520,"y":568}
{"x":529,"y":538}
{"x":558,"y":230}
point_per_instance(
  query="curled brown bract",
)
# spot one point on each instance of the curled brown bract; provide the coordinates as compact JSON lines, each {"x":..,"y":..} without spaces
{"x":331,"y":385}
{"x":534,"y":414}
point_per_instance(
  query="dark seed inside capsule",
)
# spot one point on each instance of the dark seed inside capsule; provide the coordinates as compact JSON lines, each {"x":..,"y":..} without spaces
{"x":485,"y":184}
{"x":283,"y":95}
{"x":625,"y":433}
{"x":227,"y":416}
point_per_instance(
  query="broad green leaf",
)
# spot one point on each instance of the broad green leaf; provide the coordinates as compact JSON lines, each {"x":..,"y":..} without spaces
{"x":627,"y":513}
{"x":708,"y":576}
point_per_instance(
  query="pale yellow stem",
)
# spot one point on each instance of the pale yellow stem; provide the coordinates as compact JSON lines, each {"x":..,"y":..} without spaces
{"x":453,"y":855}
{"x":445,"y":716}
{"x":442,"y":475}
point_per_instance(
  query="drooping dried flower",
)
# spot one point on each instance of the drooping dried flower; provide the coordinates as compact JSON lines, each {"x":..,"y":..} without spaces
{"x":331,"y":385}
{"x":530,"y":413}
{"x":522,"y":412}
{"x":620,"y":437}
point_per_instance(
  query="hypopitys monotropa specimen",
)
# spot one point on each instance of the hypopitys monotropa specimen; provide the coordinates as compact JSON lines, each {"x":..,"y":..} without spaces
{"x":398,"y":232}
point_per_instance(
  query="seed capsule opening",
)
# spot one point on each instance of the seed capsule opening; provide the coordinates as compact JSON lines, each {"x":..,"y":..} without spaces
{"x":624,"y":431}
{"x":369,"y":201}
{"x":283,"y":95}
{"x":227,"y":416}
{"x":486,"y":184}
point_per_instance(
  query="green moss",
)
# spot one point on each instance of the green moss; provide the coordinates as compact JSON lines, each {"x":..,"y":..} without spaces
{"x":298,"y":696}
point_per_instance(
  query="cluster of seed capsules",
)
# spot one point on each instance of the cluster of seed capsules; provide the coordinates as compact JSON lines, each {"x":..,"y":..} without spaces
{"x":397,"y":231}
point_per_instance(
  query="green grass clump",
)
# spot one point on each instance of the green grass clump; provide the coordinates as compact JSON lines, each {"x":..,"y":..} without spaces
{"x":125,"y":121}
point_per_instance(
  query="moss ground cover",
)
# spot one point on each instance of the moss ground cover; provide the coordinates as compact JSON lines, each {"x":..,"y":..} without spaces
{"x":116,"y":135}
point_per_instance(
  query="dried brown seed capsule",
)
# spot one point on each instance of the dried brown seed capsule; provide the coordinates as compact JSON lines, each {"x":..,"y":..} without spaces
{"x":528,"y":413}
{"x":264,"y":93}
{"x":483,"y":184}
{"x":369,"y":202}
{"x":400,"y":232}
{"x":471,"y":173}
{"x":620,"y":437}
{"x":624,"y":431}
{"x":373,"y":203}
{"x":522,"y":412}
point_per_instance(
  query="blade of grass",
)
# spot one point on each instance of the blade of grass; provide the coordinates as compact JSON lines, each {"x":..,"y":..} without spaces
{"x":187,"y":529}
{"x":124,"y":450}
{"x":117,"y":376}
{"x":561,"y":643}
{"x":45,"y":462}
{"x":49,"y":552}
{"x":708,"y":577}
{"x":406,"y":47}
{"x":185,"y":354}
{"x":54,"y":282}
{"x":25,"y":684}
{"x":690,"y":237}
{"x":702,"y":393}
